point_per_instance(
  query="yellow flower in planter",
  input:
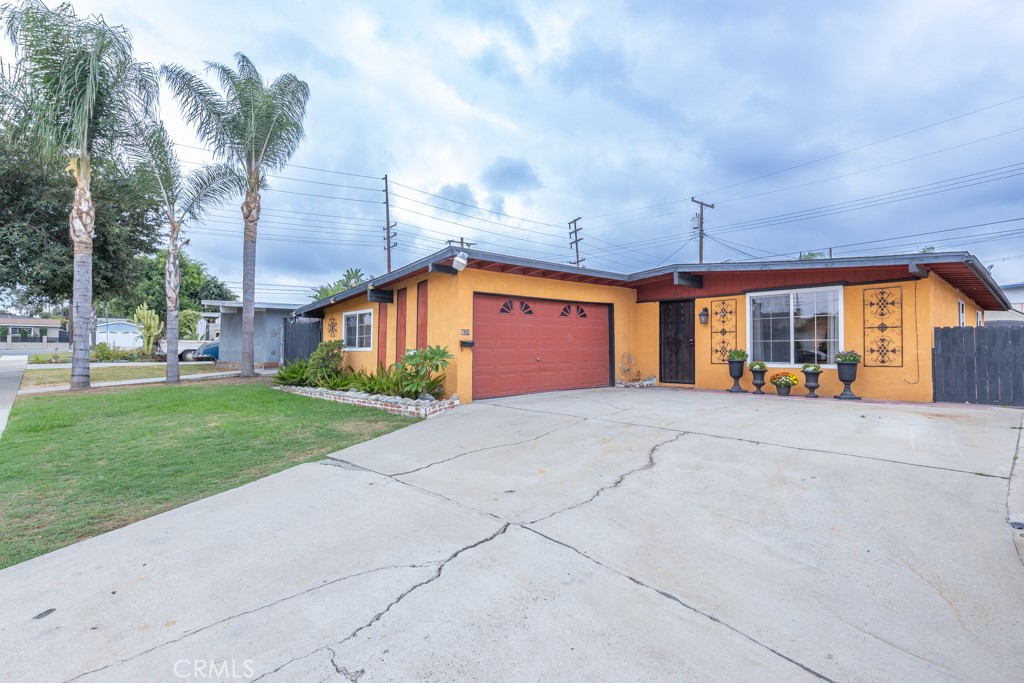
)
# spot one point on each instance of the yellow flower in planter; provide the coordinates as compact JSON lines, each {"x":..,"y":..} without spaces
{"x":784,"y":379}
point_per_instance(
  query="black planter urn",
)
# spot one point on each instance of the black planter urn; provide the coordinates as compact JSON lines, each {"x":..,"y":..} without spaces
{"x":758,"y":380}
{"x":847,"y":375}
{"x":811,"y":382}
{"x":736,"y":372}
{"x":783,"y":389}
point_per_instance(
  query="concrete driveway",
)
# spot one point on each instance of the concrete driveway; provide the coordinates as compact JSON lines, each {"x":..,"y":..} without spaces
{"x":581,"y":536}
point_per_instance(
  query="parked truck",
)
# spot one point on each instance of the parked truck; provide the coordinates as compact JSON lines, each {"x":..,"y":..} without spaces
{"x":186,"y":348}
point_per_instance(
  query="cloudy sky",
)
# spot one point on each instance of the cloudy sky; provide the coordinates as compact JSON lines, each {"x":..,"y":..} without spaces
{"x":871,"y":128}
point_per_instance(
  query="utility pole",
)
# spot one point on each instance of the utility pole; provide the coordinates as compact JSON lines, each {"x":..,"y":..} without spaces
{"x":830,"y":252}
{"x":388,"y":225}
{"x":463,"y":244}
{"x":575,"y":239}
{"x":700,"y":224}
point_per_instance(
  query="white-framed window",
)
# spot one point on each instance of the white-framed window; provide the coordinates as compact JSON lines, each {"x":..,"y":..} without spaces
{"x":793,"y":327}
{"x":357,"y":329}
{"x":979,"y":320}
{"x":962,"y":312}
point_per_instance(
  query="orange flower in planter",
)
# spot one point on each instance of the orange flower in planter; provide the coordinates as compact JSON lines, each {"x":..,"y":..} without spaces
{"x":784,"y":379}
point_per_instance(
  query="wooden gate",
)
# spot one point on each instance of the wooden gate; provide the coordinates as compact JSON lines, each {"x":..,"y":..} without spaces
{"x":979,"y":365}
{"x":301,"y":337}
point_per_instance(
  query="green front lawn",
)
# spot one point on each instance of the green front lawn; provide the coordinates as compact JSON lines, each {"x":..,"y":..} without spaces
{"x":76,"y":465}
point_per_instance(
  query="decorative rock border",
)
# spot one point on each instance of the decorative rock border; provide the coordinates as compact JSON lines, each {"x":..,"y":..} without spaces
{"x":651,"y":381}
{"x":392,"y":404}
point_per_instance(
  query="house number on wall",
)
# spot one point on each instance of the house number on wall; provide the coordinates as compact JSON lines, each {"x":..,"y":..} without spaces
{"x":465,"y":332}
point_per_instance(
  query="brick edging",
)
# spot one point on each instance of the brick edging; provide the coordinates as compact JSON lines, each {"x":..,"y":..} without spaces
{"x":391,"y":404}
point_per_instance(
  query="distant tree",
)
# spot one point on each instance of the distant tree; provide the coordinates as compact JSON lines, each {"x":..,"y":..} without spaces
{"x":74,"y":83}
{"x":353,"y":277}
{"x":197,"y":283}
{"x":189,"y":322}
{"x":812,"y":255}
{"x":36,"y":261}
{"x":926,"y":250}
{"x":255,"y":127}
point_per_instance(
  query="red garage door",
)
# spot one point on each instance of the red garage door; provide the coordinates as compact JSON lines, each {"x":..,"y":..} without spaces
{"x":523,"y":346}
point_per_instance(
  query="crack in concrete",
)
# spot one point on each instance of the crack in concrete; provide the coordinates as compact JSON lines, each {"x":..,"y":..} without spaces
{"x":769,"y":443}
{"x":189,"y":634}
{"x":345,"y":464}
{"x":379,"y":615}
{"x":490,"y":448}
{"x":1009,"y":486}
{"x":679,"y":601}
{"x":622,"y":477}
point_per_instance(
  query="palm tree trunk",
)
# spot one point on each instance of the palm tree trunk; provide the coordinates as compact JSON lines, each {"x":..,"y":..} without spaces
{"x":82,"y":221}
{"x":172,"y":282}
{"x":251,"y":215}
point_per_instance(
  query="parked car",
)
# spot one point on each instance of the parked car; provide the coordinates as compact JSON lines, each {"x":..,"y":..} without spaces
{"x":186,"y":349}
{"x":209,"y":351}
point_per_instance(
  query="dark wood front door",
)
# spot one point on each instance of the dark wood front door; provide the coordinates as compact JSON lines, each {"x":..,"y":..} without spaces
{"x":677,"y":342}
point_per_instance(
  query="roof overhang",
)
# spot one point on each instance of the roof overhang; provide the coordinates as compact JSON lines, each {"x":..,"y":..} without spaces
{"x":441,"y":262}
{"x":962,"y":270}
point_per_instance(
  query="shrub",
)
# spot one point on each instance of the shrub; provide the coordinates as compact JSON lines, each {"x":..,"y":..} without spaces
{"x":758,"y":365}
{"x":188,"y":324}
{"x":292,"y":374}
{"x":847,"y":357}
{"x":149,"y":322}
{"x":326,"y":364}
{"x":105,"y":353}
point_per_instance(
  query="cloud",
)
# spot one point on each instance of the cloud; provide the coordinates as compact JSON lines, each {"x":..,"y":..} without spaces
{"x":510,"y":175}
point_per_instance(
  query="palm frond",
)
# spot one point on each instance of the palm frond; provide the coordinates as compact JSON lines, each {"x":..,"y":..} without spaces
{"x":209,"y":186}
{"x":202,"y":107}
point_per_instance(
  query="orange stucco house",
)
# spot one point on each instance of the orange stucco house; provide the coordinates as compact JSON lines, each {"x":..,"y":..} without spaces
{"x":518,"y":326}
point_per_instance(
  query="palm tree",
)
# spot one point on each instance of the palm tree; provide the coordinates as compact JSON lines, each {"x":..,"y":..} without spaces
{"x":79,"y":81}
{"x":353,"y":277}
{"x":254,"y":127}
{"x":183,"y":197}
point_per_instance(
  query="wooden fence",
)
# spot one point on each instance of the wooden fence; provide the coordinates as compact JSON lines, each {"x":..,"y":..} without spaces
{"x":979,"y":365}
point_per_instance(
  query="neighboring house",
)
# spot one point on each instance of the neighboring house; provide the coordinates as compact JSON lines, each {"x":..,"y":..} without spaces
{"x":518,"y":326}
{"x":1013,"y":317}
{"x":208,"y":327}
{"x":119,"y":333}
{"x":19,"y":328}
{"x":268,"y":335}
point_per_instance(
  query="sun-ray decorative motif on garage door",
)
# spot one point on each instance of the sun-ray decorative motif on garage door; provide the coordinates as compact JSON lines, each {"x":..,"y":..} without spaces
{"x":510,"y":306}
{"x":573,"y":311}
{"x":723,"y":329}
{"x":883,"y":327}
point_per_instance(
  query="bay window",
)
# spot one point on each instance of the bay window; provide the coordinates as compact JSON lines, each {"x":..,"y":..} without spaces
{"x":795,"y":327}
{"x":358,"y":330}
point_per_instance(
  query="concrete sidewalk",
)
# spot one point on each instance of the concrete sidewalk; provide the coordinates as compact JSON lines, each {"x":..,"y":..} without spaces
{"x":143,"y":364}
{"x":11,"y":370}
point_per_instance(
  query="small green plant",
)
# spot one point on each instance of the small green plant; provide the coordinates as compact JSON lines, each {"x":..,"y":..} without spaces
{"x":758,"y":365}
{"x":737,"y":354}
{"x":418,"y":368}
{"x":847,"y":357}
{"x":326,"y":364}
{"x":149,"y":322}
{"x":811,"y":367}
{"x":292,"y":374}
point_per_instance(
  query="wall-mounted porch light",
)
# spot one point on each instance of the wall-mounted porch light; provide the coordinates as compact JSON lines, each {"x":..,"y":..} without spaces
{"x":703,"y":315}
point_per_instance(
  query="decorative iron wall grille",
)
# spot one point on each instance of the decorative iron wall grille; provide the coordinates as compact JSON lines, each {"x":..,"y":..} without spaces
{"x":723,"y":329}
{"x":332,"y":327}
{"x":883,"y":327}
